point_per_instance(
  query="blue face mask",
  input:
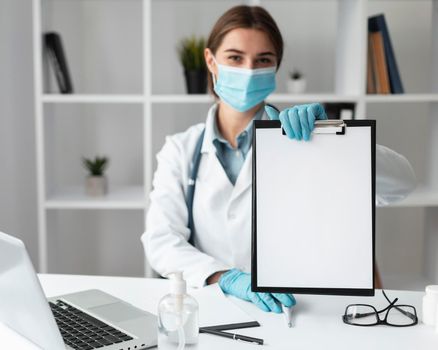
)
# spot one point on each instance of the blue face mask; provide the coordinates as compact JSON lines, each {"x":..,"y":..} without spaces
{"x":243,"y":88}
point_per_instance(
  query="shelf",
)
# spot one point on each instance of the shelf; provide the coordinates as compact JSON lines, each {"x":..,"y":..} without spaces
{"x":278,"y":98}
{"x":421,"y":197}
{"x":206,"y":98}
{"x":89,"y":98}
{"x":303,"y":98}
{"x":182,"y":98}
{"x":408,"y":98}
{"x":118,"y":198}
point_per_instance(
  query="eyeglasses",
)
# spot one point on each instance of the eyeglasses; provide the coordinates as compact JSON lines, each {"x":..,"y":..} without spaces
{"x":397,"y":315}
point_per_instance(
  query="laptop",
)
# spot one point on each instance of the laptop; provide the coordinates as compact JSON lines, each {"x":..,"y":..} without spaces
{"x":90,"y":319}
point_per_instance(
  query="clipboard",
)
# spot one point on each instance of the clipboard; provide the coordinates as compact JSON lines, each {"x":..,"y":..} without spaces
{"x":313,"y":209}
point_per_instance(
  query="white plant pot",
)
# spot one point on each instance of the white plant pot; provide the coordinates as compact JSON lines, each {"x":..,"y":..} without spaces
{"x":96,"y":186}
{"x":296,"y":86}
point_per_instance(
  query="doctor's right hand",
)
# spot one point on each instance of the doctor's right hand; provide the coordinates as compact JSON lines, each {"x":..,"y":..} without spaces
{"x":238,"y":283}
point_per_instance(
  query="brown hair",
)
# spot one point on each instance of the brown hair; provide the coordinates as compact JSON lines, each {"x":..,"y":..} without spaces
{"x":253,"y":17}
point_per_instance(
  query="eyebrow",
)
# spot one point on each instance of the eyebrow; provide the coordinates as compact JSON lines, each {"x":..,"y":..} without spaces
{"x":266,"y":53}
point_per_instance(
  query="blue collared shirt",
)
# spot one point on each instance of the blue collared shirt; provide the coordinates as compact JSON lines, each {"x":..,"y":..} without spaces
{"x":232,"y":159}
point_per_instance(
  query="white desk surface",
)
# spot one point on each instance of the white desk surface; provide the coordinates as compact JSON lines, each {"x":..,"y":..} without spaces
{"x":317,"y":319}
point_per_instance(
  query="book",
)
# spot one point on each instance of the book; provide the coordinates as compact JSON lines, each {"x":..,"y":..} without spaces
{"x":58,"y":61}
{"x":378,"y":24}
{"x":379,"y":66}
{"x":371,"y":84}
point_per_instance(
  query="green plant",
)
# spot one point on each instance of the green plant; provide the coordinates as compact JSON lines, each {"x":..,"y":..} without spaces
{"x":295,"y":74}
{"x":191,"y":53}
{"x":95,"y":166}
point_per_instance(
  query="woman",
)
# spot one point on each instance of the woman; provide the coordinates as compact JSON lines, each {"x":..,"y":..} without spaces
{"x":207,"y":232}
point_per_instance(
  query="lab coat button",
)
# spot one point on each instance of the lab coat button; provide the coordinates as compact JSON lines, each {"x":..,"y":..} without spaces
{"x":231,"y":216}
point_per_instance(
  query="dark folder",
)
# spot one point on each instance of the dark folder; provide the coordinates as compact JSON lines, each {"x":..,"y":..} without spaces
{"x":58,"y":61}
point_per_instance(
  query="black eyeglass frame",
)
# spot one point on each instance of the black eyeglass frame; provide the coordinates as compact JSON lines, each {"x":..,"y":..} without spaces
{"x":379,"y":321}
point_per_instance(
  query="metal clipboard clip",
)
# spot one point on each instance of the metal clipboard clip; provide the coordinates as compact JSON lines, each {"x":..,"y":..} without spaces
{"x":331,"y":126}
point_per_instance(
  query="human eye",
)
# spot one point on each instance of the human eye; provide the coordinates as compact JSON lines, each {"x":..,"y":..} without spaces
{"x":266,"y":61}
{"x":235,"y":58}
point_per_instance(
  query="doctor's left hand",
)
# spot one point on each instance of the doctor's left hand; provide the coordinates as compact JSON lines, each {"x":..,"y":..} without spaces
{"x":238,"y":283}
{"x":298,"y":122}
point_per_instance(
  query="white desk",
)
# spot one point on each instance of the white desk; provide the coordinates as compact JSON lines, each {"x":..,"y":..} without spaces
{"x":317,"y":320}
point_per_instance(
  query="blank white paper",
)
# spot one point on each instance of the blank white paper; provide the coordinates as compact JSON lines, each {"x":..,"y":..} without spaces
{"x":314,"y":210}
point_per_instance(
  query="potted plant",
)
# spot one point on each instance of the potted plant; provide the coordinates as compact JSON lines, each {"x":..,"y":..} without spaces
{"x":191,"y":55}
{"x":96,"y":183}
{"x":296,"y":83}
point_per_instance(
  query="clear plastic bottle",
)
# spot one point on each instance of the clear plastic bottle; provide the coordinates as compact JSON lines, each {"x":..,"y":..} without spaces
{"x":430,"y":305}
{"x":178,"y":325}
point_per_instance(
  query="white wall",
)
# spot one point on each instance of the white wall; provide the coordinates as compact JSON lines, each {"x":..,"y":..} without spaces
{"x":18,"y":215}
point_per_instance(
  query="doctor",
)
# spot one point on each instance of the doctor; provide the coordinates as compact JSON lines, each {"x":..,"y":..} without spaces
{"x":199,"y":219}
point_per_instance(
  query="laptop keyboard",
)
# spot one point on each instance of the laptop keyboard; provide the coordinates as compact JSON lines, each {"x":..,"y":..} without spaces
{"x":82,"y":331}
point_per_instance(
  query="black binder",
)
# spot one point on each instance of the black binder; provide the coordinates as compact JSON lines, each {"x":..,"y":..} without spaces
{"x":58,"y":61}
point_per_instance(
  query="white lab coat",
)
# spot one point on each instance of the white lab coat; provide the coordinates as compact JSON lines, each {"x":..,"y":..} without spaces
{"x":221,"y":211}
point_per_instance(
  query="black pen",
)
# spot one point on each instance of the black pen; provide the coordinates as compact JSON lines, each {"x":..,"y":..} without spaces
{"x":232,"y":336}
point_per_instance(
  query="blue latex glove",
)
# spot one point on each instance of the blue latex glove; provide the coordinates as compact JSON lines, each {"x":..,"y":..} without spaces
{"x":298,"y":122}
{"x":238,"y":283}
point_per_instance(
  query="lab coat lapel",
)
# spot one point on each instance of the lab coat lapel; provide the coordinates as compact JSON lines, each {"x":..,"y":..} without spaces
{"x":215,"y":173}
{"x":213,"y":170}
{"x":244,"y":179}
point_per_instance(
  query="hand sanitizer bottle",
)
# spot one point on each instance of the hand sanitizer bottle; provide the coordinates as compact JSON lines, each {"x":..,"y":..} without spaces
{"x":177,"y":317}
{"x":430,"y":305}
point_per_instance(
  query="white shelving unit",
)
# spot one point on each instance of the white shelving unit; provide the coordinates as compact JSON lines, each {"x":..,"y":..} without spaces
{"x":145,"y":93}
{"x":118,"y":198}
{"x":406,"y":98}
{"x":83,"y":98}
